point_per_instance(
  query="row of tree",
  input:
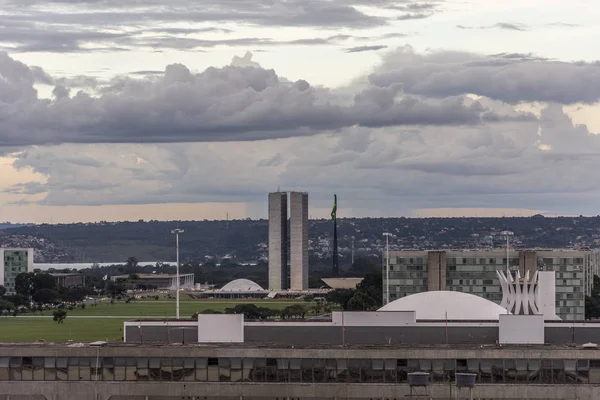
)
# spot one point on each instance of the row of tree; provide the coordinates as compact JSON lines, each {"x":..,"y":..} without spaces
{"x":39,"y":288}
{"x":254,"y":312}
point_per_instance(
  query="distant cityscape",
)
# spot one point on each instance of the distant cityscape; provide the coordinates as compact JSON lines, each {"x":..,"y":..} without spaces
{"x":246,"y":241}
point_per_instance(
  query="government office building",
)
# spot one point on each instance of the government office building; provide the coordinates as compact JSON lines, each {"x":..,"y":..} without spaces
{"x":474,"y":272}
{"x":12,"y":263}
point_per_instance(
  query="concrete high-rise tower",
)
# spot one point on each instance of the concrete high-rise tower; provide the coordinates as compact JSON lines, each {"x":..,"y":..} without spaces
{"x":278,"y":246}
{"x":299,"y":240}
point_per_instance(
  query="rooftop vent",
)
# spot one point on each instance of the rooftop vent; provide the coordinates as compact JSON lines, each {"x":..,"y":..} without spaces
{"x":465,"y":380}
{"x":418,"y":378}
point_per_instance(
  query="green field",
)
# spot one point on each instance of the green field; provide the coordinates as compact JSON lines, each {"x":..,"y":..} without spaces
{"x":25,"y":329}
{"x":166,"y":308}
{"x":101,"y":327}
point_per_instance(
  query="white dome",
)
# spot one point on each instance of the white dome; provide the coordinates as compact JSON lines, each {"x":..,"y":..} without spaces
{"x":457,"y":305}
{"x":241,"y":285}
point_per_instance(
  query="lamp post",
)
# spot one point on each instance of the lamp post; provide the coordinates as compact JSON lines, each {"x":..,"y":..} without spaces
{"x":387,"y":266}
{"x":507,"y":234}
{"x":352,"y":251}
{"x":177,"y":232}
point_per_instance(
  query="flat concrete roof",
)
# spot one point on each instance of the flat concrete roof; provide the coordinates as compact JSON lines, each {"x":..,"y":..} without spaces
{"x":316,"y":346}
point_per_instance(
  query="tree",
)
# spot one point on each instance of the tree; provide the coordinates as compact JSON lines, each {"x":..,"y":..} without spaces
{"x":361,"y":301}
{"x":2,"y":291}
{"x":73,"y":294}
{"x":132,"y":262}
{"x":251,"y":311}
{"x":296,"y":310}
{"x":340,"y":297}
{"x":45,"y":296}
{"x":17,"y":300}
{"x":24,"y":284}
{"x":318,"y":306}
{"x":6,"y":305}
{"x":43,"y":281}
{"x":209,"y":311}
{"x":27,"y":283}
{"x":59,"y":316}
{"x":115,"y":289}
{"x":372,"y":284}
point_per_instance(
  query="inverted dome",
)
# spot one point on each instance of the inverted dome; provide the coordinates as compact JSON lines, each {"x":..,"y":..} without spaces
{"x":443,"y":305}
{"x":241,"y":285}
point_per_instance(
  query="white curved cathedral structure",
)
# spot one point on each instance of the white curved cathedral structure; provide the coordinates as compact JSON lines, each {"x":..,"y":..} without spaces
{"x":525,"y":296}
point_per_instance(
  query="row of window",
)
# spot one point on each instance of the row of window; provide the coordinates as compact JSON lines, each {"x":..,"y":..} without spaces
{"x":499,"y":371}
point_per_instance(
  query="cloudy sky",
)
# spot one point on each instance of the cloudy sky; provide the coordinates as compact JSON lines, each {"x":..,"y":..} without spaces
{"x":167,"y":110}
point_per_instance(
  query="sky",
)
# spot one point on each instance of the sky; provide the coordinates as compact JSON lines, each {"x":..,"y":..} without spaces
{"x":196,"y":110}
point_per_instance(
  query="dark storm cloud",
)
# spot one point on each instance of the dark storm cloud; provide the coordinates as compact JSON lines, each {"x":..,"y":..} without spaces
{"x":234,"y":103}
{"x":444,"y":74}
{"x":360,"y":49}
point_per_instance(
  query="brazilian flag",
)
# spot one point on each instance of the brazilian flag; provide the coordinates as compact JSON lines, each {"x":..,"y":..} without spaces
{"x":334,"y":210}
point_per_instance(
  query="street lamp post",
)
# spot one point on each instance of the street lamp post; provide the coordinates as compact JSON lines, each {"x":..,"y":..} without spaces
{"x":177,"y":232}
{"x":387,"y":266}
{"x":352,"y":250}
{"x":508,"y":234}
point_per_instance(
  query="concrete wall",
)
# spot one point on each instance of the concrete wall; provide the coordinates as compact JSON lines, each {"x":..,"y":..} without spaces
{"x":546,"y":294}
{"x":266,"y":391}
{"x":278,"y":254}
{"x":528,"y":262}
{"x":298,"y":241}
{"x":436,"y":270}
{"x":521,"y":329}
{"x":383,"y":318}
{"x":221,"y":328}
{"x":326,"y":334}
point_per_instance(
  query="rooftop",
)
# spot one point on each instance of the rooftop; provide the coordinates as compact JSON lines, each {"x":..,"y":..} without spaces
{"x":267,"y":345}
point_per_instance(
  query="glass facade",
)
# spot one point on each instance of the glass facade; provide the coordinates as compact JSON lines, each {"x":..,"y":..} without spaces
{"x":15,"y":262}
{"x":475,"y":272}
{"x":309,"y":370}
{"x":408,"y":275}
{"x":570,"y":284}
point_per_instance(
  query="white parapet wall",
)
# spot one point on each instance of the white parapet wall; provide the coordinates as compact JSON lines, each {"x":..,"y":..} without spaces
{"x":546,"y":294}
{"x":220,"y":328}
{"x":521,"y":329}
{"x":373,"y":318}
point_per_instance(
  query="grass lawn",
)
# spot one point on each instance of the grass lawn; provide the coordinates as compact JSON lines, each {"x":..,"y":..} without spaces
{"x":166,"y":308}
{"x":25,"y":329}
{"x":22,"y":329}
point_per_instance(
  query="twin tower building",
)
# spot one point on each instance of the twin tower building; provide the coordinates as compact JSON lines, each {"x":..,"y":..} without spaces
{"x":282,"y":276}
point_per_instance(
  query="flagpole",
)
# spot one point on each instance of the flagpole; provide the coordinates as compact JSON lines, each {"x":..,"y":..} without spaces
{"x":336,"y":270}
